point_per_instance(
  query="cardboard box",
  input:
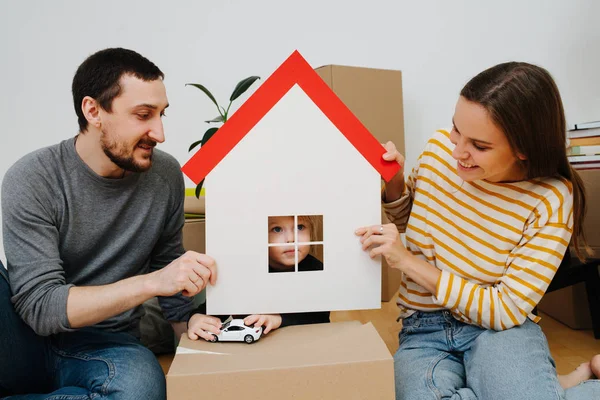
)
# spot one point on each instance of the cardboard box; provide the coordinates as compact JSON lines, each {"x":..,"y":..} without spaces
{"x":194,"y":237}
{"x":344,"y":360}
{"x":390,"y":277}
{"x":375,"y":97}
{"x":194,"y":205}
{"x":591,"y":226}
{"x":568,"y":305}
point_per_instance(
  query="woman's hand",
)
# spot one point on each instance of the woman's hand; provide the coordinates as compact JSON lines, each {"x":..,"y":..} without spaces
{"x":395,"y":187}
{"x":384,"y":240}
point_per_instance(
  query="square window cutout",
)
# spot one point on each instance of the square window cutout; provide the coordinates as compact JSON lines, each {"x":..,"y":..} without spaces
{"x":295,"y":243}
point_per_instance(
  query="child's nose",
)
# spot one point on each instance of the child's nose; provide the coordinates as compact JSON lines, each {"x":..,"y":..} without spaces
{"x":289,"y":236}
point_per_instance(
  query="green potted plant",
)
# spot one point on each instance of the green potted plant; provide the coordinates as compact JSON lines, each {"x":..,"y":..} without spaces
{"x":240,"y":88}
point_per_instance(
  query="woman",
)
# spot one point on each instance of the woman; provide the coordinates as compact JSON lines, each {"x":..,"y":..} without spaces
{"x":493,"y":204}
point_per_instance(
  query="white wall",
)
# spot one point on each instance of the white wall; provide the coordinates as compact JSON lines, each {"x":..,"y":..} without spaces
{"x":437,"y":44}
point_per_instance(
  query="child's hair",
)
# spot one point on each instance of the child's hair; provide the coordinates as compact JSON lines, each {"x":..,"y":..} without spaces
{"x":524,"y":102}
{"x":314,"y":224}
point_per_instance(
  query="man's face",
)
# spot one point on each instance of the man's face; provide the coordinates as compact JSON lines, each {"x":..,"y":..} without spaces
{"x":134,"y":127}
{"x":281,"y":230}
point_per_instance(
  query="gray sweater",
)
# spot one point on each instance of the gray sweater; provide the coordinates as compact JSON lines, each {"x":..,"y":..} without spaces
{"x":64,"y":225}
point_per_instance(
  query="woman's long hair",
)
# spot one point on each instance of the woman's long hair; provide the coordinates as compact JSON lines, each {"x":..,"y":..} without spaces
{"x":524,"y":102}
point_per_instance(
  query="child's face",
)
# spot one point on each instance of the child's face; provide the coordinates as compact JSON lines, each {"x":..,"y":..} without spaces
{"x":281,"y":230}
{"x":481,"y":148}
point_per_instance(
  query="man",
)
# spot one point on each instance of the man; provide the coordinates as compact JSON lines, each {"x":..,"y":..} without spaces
{"x":93,"y":229}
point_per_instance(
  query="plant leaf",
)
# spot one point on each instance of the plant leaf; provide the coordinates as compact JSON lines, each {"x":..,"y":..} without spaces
{"x":208,"y":134}
{"x":199,"y":188}
{"x":194,"y":145}
{"x":216,"y":119}
{"x":242,"y":86}
{"x":206,"y":91}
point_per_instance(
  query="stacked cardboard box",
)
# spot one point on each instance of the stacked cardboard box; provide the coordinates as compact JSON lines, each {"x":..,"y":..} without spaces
{"x":375,"y":97}
{"x":194,"y":232}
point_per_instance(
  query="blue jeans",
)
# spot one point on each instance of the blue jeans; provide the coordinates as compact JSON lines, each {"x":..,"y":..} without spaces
{"x":86,"y":364}
{"x":442,"y":358}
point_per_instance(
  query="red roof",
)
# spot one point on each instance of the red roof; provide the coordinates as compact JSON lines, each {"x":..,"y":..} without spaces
{"x":295,"y":70}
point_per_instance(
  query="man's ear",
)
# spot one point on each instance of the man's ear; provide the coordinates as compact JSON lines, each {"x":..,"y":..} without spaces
{"x":91,"y":111}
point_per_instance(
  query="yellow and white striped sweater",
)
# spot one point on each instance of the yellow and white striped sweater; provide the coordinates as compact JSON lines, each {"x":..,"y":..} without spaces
{"x":498,"y":245}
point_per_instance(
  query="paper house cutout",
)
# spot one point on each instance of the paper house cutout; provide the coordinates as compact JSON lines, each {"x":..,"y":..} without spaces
{"x":292,"y":149}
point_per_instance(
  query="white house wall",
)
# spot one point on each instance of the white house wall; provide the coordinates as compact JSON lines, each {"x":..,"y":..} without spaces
{"x":294,"y":161}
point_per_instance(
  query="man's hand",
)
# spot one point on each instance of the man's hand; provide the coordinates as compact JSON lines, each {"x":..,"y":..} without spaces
{"x":203,"y":326}
{"x":189,"y":274}
{"x":269,"y":321}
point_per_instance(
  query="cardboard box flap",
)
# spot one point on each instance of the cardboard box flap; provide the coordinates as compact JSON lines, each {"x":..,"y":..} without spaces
{"x":290,"y":347}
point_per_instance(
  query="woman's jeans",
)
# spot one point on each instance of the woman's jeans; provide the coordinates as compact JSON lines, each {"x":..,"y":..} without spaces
{"x":87,"y":364}
{"x":442,"y":358}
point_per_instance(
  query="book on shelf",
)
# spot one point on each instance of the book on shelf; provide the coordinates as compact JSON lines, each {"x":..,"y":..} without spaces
{"x":588,"y":125}
{"x":585,"y":141}
{"x":583,"y":133}
{"x":584,"y":159}
{"x":588,"y":165}
{"x":583,"y":150}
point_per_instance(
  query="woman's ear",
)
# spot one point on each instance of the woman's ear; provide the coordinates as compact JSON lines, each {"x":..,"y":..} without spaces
{"x":91,"y":111}
{"x":521,"y":157}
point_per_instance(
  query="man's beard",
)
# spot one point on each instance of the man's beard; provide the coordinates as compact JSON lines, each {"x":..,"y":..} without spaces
{"x":114,"y":151}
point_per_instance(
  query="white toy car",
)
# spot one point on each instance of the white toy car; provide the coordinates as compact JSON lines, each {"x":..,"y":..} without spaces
{"x":236,"y":331}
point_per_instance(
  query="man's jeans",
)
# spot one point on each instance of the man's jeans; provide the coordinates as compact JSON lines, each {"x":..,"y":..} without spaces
{"x":442,"y":358}
{"x":87,"y":364}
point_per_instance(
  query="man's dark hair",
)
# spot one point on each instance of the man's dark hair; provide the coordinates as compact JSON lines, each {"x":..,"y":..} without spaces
{"x":98,"y":77}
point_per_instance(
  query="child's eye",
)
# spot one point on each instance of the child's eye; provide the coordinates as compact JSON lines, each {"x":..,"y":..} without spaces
{"x":277,"y":229}
{"x":301,"y":227}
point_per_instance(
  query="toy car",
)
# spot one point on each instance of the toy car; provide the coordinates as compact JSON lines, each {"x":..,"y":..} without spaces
{"x":236,"y":331}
